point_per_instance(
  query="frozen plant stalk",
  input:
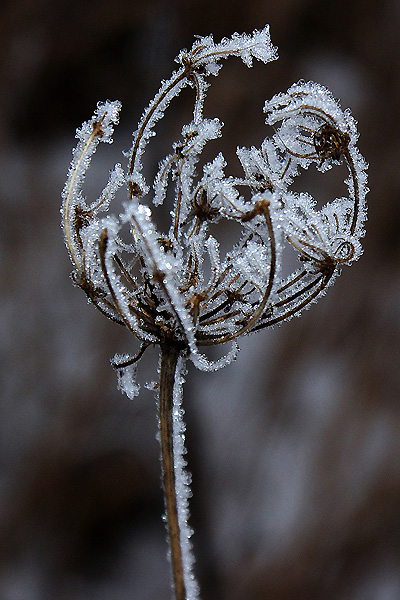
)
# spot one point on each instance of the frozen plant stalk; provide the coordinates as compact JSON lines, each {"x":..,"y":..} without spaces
{"x":173,"y":288}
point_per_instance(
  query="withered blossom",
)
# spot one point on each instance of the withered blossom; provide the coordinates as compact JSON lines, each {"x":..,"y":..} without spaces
{"x":173,"y":288}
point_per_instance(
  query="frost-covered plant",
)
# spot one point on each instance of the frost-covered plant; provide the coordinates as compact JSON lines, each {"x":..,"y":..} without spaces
{"x":173,"y":288}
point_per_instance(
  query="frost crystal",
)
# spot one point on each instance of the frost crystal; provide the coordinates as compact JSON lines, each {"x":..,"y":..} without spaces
{"x":172,"y":287}
{"x":127,"y":381}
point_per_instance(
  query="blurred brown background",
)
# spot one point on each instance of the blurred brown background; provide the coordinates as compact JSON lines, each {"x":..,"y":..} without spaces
{"x":295,"y":449}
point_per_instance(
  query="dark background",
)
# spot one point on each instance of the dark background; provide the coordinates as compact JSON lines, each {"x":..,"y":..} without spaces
{"x":294,"y":449}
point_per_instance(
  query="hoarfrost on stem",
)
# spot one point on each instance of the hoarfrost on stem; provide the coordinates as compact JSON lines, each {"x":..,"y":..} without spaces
{"x":183,"y":480}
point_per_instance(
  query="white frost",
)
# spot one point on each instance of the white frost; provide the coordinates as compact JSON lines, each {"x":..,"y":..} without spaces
{"x":183,"y":480}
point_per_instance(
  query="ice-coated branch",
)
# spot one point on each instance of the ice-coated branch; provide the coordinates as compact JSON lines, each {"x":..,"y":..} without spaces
{"x":99,"y":129}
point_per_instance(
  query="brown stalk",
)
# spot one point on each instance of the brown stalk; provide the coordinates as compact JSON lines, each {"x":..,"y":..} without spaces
{"x":169,"y":359}
{"x":150,"y":111}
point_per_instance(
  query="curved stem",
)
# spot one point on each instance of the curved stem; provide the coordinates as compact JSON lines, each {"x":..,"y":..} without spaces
{"x":322,"y":283}
{"x":169,"y":359}
{"x":261,"y":207}
{"x":353,"y":172}
{"x":148,"y":114}
{"x":68,"y":203}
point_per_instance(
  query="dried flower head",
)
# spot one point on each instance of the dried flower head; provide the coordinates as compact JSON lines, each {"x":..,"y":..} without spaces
{"x":173,"y":288}
{"x":156,"y":285}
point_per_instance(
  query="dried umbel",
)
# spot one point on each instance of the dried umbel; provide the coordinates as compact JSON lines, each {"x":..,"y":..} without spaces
{"x":173,"y":288}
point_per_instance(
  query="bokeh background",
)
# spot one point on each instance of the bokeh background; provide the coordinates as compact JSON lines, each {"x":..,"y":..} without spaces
{"x":294,"y":449}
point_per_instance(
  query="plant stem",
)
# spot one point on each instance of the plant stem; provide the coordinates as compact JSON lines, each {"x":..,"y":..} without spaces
{"x":169,"y":358}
